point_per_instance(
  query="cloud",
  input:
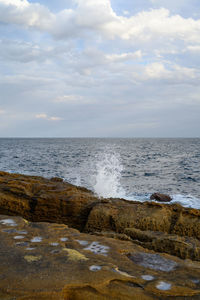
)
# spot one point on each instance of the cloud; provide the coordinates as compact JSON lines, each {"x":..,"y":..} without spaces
{"x":68,"y":99}
{"x":74,"y":100}
{"x":195,"y":48}
{"x":98,"y":17}
{"x":124,"y":56}
{"x":41,"y":116}
{"x":54,"y":119}
{"x":2,"y":111}
{"x":21,"y":12}
{"x":99,"y":72}
{"x":45,"y":117}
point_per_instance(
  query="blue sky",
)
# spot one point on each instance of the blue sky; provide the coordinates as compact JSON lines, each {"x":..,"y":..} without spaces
{"x":85,"y":68}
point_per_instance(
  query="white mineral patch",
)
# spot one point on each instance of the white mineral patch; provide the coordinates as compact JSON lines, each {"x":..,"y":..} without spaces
{"x":122,"y":272}
{"x":64,"y":239}
{"x":95,"y":268}
{"x":22,"y":231}
{"x":97,"y":248}
{"x":164,"y":286}
{"x":9,"y":230}
{"x":54,"y":244}
{"x":9,"y":222}
{"x":30,"y":249}
{"x":147,"y":277}
{"x":36,"y":239}
{"x":18,"y":237}
{"x":83,"y":243}
{"x":195,"y":280}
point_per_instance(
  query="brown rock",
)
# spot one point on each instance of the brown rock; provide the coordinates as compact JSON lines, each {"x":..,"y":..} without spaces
{"x":40,"y":199}
{"x":48,"y":261}
{"x":164,"y":228}
{"x":160,"y":197}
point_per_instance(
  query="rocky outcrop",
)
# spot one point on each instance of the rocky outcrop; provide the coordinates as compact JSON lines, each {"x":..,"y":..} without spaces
{"x":39,"y":199}
{"x":49,"y":261}
{"x":172,"y":228}
{"x":160,"y":197}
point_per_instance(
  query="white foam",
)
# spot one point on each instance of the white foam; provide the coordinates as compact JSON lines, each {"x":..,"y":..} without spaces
{"x":163,"y":286}
{"x":184,"y":200}
{"x":108,"y":174}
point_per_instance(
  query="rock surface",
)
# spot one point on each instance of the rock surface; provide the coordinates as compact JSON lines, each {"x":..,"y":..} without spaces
{"x":40,"y":199}
{"x":50,"y":261}
{"x":160,"y":197}
{"x":172,"y":228}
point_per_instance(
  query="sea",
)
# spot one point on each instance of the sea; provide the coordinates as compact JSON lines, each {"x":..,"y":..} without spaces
{"x":129,"y":168}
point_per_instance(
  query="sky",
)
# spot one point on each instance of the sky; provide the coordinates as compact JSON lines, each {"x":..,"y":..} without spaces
{"x":100,"y":68}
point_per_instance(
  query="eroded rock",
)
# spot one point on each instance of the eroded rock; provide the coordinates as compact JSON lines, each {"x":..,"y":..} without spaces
{"x":127,"y":272}
{"x":161,"y":227}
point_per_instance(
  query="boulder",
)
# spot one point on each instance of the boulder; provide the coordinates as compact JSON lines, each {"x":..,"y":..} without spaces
{"x":160,"y":197}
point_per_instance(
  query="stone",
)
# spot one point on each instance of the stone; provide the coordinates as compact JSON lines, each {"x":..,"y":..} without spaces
{"x":127,"y":272}
{"x":160,"y":197}
{"x":168,"y":228}
{"x":39,"y":199}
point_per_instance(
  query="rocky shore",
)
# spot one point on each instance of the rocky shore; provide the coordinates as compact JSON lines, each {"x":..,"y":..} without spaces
{"x":59,"y":241}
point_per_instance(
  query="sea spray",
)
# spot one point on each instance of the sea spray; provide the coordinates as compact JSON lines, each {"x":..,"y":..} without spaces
{"x":108,"y":175}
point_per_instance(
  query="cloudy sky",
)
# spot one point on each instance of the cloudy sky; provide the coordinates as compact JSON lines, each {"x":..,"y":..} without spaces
{"x":104,"y":68}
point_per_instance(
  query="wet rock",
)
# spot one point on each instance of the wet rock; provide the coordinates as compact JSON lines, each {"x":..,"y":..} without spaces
{"x":127,"y":272}
{"x":160,"y":197}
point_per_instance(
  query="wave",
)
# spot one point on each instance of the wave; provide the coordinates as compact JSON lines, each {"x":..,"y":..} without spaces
{"x":108,"y":175}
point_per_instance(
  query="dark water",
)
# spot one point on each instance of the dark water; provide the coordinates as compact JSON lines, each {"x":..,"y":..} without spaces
{"x":131,"y":168}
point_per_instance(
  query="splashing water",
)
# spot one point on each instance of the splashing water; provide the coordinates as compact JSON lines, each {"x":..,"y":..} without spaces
{"x":108,"y":174}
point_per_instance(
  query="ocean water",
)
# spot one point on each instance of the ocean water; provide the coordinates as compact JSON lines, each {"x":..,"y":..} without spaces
{"x":119,"y":167}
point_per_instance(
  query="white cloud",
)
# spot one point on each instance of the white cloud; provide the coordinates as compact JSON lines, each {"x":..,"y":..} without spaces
{"x":124,"y":56}
{"x":41,"y":116}
{"x":54,"y":119}
{"x":22,"y":12}
{"x":99,"y":70}
{"x":174,"y":73}
{"x":156,"y":70}
{"x":67,"y":99}
{"x":98,"y":16}
{"x":17,"y":3}
{"x":45,"y":117}
{"x":195,"y":48}
{"x":2,"y":111}
{"x":74,"y":100}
